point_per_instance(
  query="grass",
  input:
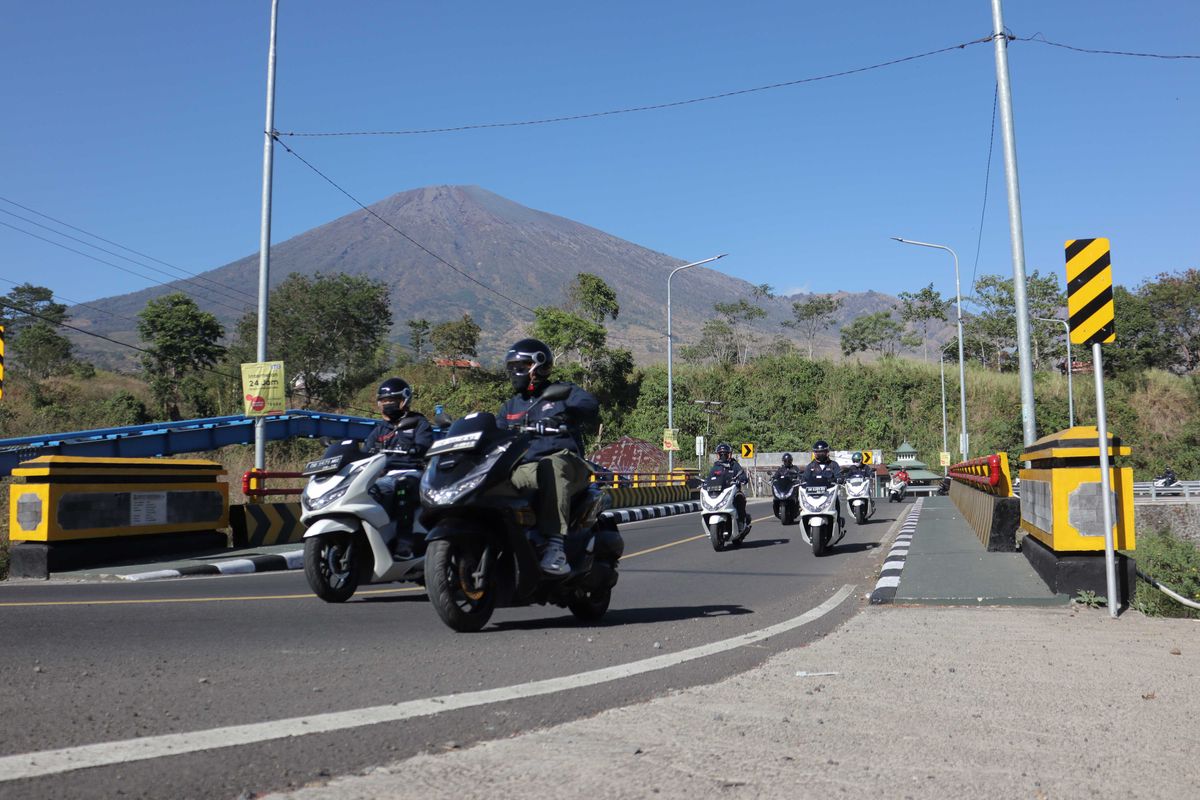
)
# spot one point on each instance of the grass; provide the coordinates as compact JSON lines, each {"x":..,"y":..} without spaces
{"x":1173,"y":562}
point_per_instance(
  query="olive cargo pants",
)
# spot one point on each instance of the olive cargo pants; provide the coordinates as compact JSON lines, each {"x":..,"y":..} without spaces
{"x":555,"y":478}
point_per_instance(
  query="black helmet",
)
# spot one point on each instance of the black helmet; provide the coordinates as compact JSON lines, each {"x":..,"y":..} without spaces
{"x":787,"y":459}
{"x":856,"y":458}
{"x":528,"y":364}
{"x":724,"y":450}
{"x":821,"y":450}
{"x":393,"y":396}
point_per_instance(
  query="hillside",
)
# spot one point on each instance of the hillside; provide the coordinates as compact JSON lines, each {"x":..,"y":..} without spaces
{"x":527,"y":254}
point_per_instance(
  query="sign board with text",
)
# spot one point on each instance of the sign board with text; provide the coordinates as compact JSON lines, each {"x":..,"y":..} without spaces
{"x":670,"y":439}
{"x":263,"y":388}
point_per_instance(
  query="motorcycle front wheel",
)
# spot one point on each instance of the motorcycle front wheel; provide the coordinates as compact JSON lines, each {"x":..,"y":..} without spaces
{"x":817,"y":534}
{"x":860,"y":514}
{"x":789,"y":514}
{"x":450,"y":583}
{"x":717,"y":538}
{"x":332,"y":566}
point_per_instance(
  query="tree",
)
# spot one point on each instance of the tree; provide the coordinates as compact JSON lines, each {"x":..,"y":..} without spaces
{"x":567,"y":333}
{"x":716,"y":344}
{"x":738,"y":317}
{"x":418,"y":337}
{"x":878,"y":332}
{"x":813,"y":316}
{"x":456,"y":339}
{"x":997,"y":324}
{"x":182,"y":344}
{"x":593,"y":299}
{"x":921,"y":308}
{"x":1175,"y":300}
{"x":31,"y":319}
{"x":328,"y":330}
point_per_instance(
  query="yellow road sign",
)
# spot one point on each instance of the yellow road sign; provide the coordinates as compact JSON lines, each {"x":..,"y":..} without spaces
{"x":1089,"y":291}
{"x":747,"y":450}
{"x":867,"y":457}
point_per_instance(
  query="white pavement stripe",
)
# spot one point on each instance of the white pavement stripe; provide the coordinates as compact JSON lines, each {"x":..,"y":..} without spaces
{"x":52,"y":762}
{"x":900,"y":563}
{"x":236,"y":566}
{"x":294,"y":559}
{"x":888,"y":582}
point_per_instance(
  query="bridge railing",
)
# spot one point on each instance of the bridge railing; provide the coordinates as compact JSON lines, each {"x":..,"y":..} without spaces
{"x":1183,"y":491}
{"x":254,"y":484}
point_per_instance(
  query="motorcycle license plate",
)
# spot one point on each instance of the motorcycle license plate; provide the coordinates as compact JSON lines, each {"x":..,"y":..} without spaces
{"x":330,"y":464}
{"x":453,"y":444}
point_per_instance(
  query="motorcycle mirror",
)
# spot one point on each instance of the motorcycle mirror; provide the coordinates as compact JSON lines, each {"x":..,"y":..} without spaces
{"x":443,"y":419}
{"x":556,"y":391}
{"x":693,"y":482}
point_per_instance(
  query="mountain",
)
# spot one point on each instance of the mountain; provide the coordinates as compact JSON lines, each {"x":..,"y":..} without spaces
{"x":528,"y":255}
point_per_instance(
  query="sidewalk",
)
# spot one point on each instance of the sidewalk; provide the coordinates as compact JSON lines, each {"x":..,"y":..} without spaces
{"x":929,"y":702}
{"x":945,"y":563}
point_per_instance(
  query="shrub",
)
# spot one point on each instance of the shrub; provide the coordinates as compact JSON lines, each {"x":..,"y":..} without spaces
{"x":1173,"y":562}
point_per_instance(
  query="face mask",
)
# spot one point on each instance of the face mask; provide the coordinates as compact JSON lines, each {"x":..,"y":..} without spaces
{"x":392,"y":411}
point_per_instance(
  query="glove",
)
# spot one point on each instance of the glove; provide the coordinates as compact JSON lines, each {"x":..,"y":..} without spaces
{"x":551,"y":422}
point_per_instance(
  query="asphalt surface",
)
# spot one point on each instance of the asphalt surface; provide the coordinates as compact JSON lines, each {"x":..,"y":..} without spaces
{"x":102,"y":662}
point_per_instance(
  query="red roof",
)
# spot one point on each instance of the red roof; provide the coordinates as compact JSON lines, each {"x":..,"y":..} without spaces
{"x":628,"y":454}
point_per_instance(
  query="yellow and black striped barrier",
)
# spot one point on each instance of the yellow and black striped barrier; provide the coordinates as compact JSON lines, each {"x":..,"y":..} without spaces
{"x":633,"y":496}
{"x":1089,"y":291}
{"x":261,"y":524}
{"x":67,"y":512}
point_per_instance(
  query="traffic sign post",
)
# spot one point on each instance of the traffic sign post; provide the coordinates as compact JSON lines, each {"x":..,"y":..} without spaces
{"x":1091,"y":319}
{"x":868,"y":457}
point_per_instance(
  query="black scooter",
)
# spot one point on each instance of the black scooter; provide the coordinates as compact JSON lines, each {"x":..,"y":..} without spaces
{"x":483,"y":534}
{"x":786,"y":504}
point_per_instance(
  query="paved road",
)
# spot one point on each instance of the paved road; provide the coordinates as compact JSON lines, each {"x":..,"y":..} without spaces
{"x":98,"y":663}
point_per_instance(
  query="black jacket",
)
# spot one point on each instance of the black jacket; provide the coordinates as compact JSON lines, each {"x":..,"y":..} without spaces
{"x":417,"y":440}
{"x":818,"y":474}
{"x":862,"y":469}
{"x":578,"y":409}
{"x":730,"y":467}
{"x":792,"y":472}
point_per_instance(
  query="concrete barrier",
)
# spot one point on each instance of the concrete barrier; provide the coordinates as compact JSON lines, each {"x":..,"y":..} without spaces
{"x":981,"y":490}
{"x":69,"y":512}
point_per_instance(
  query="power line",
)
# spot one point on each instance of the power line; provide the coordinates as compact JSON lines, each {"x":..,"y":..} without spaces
{"x":209,"y":370}
{"x":224,"y":293}
{"x":77,"y":303}
{"x":109,"y":263}
{"x":196,"y":275}
{"x":637,"y":109}
{"x":1037,"y":38}
{"x":987,"y":177}
{"x":411,"y":240}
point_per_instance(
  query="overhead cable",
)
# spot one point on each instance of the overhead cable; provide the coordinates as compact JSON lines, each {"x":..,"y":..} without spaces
{"x":1037,"y":38}
{"x":637,"y":109}
{"x":987,"y":177}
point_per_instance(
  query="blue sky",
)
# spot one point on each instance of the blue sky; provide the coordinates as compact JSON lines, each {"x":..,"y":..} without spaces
{"x":142,"y":122}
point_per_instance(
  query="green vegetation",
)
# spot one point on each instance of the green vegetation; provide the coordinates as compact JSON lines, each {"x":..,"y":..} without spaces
{"x":1172,"y":562}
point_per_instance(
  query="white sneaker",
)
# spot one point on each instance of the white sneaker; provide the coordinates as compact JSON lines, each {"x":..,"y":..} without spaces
{"x":554,"y":559}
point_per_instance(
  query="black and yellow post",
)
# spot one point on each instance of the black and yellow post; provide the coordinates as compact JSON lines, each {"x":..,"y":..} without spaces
{"x":69,"y":512}
{"x":1,"y":362}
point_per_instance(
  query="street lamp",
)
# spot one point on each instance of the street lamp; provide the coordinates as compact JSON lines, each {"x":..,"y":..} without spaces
{"x":963,"y":443}
{"x":670,"y":388}
{"x":1070,"y":366}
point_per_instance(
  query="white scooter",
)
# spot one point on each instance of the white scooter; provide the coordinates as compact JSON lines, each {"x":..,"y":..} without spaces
{"x":819,"y":517}
{"x":860,"y":498}
{"x":350,"y":536}
{"x":896,"y":490}
{"x":718,"y":514}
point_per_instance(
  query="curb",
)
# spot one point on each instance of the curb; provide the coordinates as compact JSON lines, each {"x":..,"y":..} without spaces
{"x":294,"y":559}
{"x":893,"y":563}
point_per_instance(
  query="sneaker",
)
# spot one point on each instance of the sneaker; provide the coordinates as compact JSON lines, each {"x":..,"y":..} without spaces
{"x":554,"y":559}
{"x":402,"y":551}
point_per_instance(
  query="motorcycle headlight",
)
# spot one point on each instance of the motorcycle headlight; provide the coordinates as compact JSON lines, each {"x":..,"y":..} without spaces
{"x":446,"y":495}
{"x":316,"y":503}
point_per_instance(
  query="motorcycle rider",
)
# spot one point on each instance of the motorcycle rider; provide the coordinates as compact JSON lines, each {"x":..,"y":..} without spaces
{"x":727,"y":466}
{"x":823,"y":471}
{"x":787,"y":471}
{"x":858,"y":468}
{"x":1168,"y":477}
{"x":392,"y":399}
{"x":902,"y":476}
{"x":553,"y":466}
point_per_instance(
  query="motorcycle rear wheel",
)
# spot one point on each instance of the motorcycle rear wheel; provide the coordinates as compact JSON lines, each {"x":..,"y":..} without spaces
{"x":592,"y":606}
{"x":448,"y":569}
{"x":332,"y":566}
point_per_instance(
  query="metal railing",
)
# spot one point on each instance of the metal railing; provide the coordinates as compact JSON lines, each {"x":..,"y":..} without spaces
{"x":1181,"y":492}
{"x":254,"y":484}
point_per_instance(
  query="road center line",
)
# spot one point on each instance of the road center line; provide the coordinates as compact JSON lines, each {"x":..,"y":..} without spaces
{"x":68,"y":759}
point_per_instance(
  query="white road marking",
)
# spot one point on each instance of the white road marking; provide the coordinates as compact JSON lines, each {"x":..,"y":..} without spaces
{"x":68,"y":759}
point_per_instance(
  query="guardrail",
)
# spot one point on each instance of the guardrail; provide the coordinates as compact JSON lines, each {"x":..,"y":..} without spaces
{"x":987,"y":473}
{"x":254,"y":483}
{"x":1182,"y":492}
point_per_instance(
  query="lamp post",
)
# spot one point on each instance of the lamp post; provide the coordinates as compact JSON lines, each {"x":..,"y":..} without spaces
{"x":1070,"y":366}
{"x":670,"y":388}
{"x":963,"y":443}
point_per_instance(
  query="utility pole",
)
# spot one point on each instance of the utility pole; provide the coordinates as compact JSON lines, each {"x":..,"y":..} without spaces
{"x":1017,"y":236}
{"x":264,"y":242}
{"x":709,"y":407}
